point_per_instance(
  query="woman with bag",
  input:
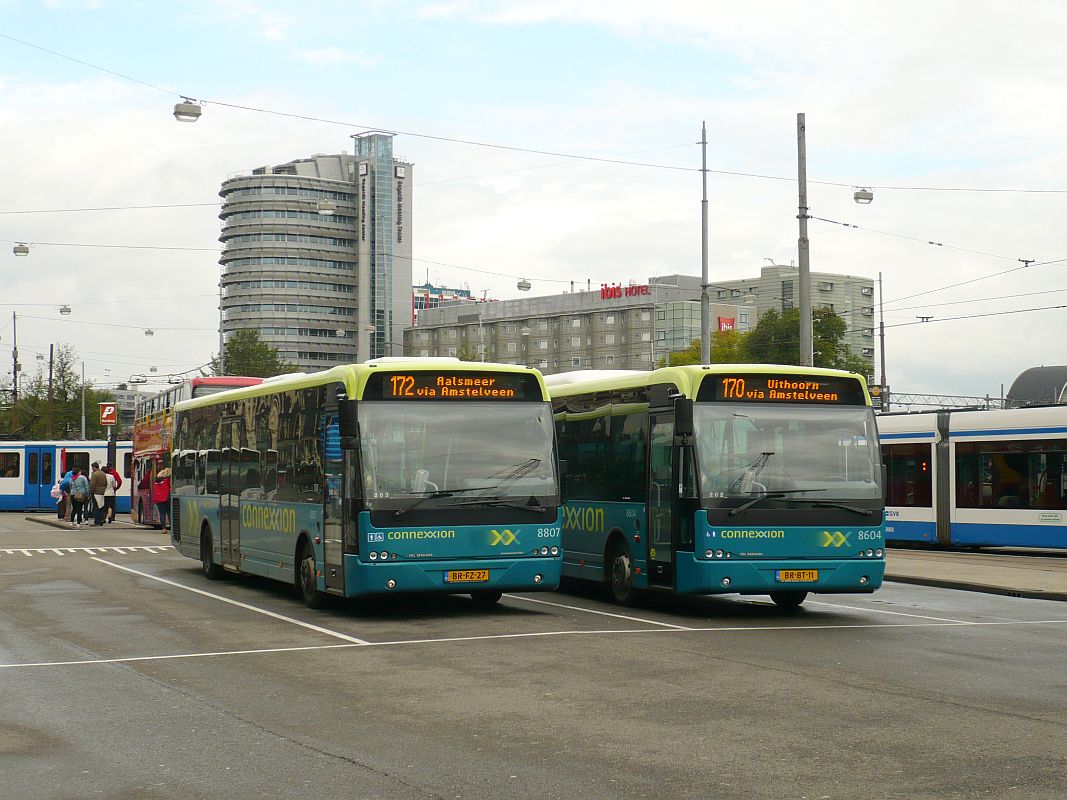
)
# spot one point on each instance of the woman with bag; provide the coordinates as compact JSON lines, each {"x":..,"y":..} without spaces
{"x":79,"y":493}
{"x":161,"y":497}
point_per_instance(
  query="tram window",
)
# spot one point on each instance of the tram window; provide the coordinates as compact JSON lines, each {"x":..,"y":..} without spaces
{"x":31,"y":468}
{"x":1018,"y":474}
{"x":78,"y":460}
{"x":908,"y":475}
{"x":10,"y":465}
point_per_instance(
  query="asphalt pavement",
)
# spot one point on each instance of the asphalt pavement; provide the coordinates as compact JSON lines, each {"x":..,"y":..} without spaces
{"x":1039,"y":574}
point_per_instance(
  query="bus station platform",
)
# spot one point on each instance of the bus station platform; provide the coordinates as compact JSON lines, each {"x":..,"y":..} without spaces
{"x":1016,"y":573}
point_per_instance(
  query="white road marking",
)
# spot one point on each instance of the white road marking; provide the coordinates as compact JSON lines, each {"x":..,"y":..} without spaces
{"x":894,"y":613}
{"x":155,"y":549}
{"x":530,"y":635}
{"x":594,"y":611}
{"x":308,"y":625}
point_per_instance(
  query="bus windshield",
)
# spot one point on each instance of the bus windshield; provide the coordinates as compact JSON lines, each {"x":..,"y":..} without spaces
{"x":457,"y":453}
{"x":812,"y":452}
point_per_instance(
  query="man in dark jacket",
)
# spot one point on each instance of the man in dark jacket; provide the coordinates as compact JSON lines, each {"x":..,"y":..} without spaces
{"x":97,"y":487}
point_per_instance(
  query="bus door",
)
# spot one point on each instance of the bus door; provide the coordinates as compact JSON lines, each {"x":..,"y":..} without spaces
{"x":229,"y":508}
{"x":661,"y":500}
{"x":39,"y":472}
{"x":335,"y":521}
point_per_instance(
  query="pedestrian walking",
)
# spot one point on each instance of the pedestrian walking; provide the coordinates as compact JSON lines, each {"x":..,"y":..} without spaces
{"x":161,"y":497}
{"x":117,"y":480}
{"x":79,"y":495}
{"x":97,"y":487}
{"x":109,"y":496}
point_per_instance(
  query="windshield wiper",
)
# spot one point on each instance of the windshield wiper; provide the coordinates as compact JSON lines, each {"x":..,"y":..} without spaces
{"x":831,"y":504}
{"x":781,"y":494}
{"x":436,"y":493}
{"x":530,"y":505}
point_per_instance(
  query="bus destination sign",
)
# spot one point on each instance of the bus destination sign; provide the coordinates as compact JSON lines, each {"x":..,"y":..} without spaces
{"x":771,"y":388}
{"x":436,"y":385}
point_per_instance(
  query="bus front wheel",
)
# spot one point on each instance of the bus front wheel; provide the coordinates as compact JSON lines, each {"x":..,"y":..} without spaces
{"x":307,"y":581}
{"x":621,"y":574}
{"x":788,"y":599}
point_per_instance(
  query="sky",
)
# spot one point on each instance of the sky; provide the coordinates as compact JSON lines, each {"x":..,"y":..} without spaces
{"x":952,"y":112}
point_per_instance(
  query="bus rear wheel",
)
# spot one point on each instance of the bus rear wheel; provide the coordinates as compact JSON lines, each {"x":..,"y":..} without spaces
{"x":486,"y":598}
{"x":211,"y":570}
{"x":788,"y":599}
{"x":621,"y":575}
{"x":307,"y":580}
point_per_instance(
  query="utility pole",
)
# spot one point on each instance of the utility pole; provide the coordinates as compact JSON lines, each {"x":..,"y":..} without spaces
{"x":83,"y":401}
{"x":804,"y":276}
{"x":51,"y":361}
{"x":881,"y":345}
{"x":14,"y":371}
{"x":705,"y":300}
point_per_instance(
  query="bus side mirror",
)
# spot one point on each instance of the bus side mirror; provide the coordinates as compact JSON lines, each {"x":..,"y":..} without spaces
{"x":683,"y":417}
{"x":348,"y":423}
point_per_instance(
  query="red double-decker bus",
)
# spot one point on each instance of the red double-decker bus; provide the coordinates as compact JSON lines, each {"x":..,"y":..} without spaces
{"x":153,"y":430}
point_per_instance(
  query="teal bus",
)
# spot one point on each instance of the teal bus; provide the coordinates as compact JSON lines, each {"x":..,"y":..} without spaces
{"x":391,"y":476}
{"x":710,"y":479}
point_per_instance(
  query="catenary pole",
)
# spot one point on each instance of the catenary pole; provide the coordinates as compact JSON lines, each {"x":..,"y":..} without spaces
{"x":705,"y":300}
{"x":804,"y":276}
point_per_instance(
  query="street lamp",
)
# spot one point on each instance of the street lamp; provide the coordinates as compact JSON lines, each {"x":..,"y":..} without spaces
{"x":187,"y":111}
{"x":64,"y":310}
{"x":863,"y":195}
{"x":21,"y":249}
{"x":149,"y":332}
{"x":523,"y":285}
{"x":524,"y":332}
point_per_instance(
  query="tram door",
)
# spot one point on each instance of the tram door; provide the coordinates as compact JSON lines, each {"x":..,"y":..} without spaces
{"x":661,"y":500}
{"x":40,"y":475}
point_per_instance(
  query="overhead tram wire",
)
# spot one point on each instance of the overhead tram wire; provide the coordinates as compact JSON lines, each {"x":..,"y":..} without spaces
{"x":512,"y":148}
{"x":932,"y":320}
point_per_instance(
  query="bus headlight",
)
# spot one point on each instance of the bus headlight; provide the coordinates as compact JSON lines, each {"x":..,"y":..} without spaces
{"x":383,"y":556}
{"x":870,"y":554}
{"x":554,"y":551}
{"x":718,"y":553}
{"x":373,"y":556}
{"x":544,"y":551}
{"x":709,"y":554}
{"x":878,"y":552}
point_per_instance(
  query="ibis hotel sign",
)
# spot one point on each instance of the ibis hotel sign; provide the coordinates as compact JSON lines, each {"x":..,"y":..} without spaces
{"x":613,"y":291}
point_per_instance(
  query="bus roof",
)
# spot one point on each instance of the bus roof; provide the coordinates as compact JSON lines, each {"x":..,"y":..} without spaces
{"x":354,"y":378}
{"x":686,"y":378}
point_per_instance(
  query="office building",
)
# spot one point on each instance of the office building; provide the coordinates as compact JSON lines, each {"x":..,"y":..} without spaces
{"x":617,"y":326}
{"x":851,"y":297}
{"x":317,"y":254}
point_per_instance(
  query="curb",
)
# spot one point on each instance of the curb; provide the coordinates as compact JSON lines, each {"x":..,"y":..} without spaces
{"x":984,"y":588}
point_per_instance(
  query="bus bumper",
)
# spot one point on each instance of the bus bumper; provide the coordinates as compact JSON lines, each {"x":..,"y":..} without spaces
{"x":505,"y":575}
{"x":701,"y":576}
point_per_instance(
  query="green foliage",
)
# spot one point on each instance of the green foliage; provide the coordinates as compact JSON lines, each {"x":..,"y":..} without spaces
{"x":776,"y":340}
{"x":726,"y":348}
{"x":247,"y":354}
{"x":31,"y":418}
{"x":468,"y":353}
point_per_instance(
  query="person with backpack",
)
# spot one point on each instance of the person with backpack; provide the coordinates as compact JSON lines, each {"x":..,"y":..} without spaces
{"x":64,"y":490}
{"x":79,"y":495}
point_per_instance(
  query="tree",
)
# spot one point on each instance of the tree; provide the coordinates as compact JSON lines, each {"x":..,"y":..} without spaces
{"x":31,"y":417}
{"x":776,"y":340}
{"x":247,"y":354}
{"x":726,"y":348}
{"x":468,"y":352}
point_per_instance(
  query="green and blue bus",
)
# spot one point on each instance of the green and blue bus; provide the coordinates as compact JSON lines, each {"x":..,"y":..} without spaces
{"x":391,"y":476}
{"x":750,"y":479}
